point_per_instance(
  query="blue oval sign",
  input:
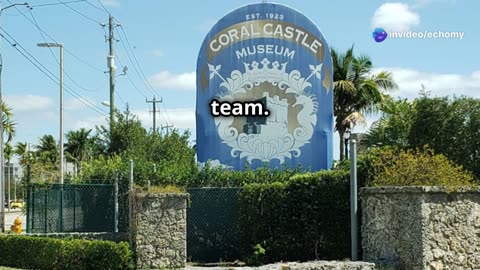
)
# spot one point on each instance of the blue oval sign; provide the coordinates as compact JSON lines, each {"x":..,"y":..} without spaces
{"x":264,"y":91}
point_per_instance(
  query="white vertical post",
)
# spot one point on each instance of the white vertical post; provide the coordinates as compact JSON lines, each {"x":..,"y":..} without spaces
{"x":61,"y":114}
{"x":353,"y":199}
{"x":9,"y":179}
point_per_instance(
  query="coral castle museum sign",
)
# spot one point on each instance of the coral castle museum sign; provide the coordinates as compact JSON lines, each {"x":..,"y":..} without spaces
{"x":264,"y":91}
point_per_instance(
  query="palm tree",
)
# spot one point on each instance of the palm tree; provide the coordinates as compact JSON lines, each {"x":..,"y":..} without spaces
{"x":23,"y":154}
{"x":8,"y":152}
{"x":47,"y":149}
{"x":78,"y":147}
{"x":394,"y":125}
{"x":8,"y":124}
{"x":356,"y":90}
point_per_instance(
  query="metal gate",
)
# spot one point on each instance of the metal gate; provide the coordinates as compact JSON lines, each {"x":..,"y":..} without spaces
{"x":213,"y":231}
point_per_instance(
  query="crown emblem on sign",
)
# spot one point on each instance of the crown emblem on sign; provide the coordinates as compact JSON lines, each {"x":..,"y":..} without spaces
{"x":267,"y":72}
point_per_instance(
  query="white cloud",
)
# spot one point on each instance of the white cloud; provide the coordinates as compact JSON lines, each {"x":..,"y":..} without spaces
{"x":183,"y":118}
{"x":29,"y":102}
{"x":89,"y":122}
{"x":157,"y":53}
{"x":439,"y":84}
{"x":76,"y":104}
{"x":395,"y":17}
{"x":168,"y":80}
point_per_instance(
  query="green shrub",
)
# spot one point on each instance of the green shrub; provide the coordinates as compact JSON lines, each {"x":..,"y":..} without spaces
{"x":302,"y":219}
{"x":416,"y":168}
{"x":48,"y":253}
{"x":392,"y":166}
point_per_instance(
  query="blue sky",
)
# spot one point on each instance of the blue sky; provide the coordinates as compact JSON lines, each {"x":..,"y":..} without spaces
{"x":166,"y":37}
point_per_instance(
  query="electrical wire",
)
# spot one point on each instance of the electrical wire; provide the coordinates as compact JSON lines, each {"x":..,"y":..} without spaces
{"x":166,"y":113}
{"x":56,"y":59}
{"x":134,"y":66}
{"x":66,"y":50}
{"x":27,"y":55}
{"x":96,"y":7}
{"x":56,"y":4}
{"x":136,"y":63}
{"x":101,"y":4}
{"x":80,"y":13}
{"x":130,"y":79}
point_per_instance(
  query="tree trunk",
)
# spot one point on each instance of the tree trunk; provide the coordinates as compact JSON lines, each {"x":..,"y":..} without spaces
{"x":342,"y":145}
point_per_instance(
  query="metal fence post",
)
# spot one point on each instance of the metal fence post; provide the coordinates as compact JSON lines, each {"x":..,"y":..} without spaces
{"x":130,"y":205}
{"x":29,"y":205}
{"x":353,"y":199}
{"x":46,"y":198}
{"x":131,"y":175}
{"x":32,"y":190}
{"x":74,"y":208}
{"x":61,"y":207}
{"x":115,"y":199}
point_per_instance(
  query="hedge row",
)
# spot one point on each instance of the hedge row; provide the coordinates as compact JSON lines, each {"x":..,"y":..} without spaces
{"x":47,"y":253}
{"x":305,"y":218}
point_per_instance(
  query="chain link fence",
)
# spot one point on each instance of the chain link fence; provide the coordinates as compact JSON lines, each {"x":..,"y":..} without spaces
{"x":58,"y":208}
{"x":213,"y":218}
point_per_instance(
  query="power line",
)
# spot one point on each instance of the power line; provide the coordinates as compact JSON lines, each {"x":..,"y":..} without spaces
{"x":80,"y":13}
{"x":166,"y":113}
{"x":130,"y":79}
{"x":48,"y":73}
{"x":53,"y":55}
{"x":136,"y":61}
{"x":120,"y":97}
{"x":134,"y":66}
{"x":94,"y":6}
{"x":101,"y":4}
{"x":56,"y":4}
{"x":67,"y":50}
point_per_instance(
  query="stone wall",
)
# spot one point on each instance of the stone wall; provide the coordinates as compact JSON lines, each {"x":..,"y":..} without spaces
{"x":313,"y":265}
{"x":421,"y":227}
{"x":159,"y":230}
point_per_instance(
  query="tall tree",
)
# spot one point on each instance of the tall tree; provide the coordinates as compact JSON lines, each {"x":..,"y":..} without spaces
{"x":128,"y":137}
{"x":79,"y":146}
{"x":47,"y":149}
{"x":23,"y":153}
{"x":394,"y":125}
{"x":357,"y":90}
{"x":8,"y":152}
{"x":8,"y":123}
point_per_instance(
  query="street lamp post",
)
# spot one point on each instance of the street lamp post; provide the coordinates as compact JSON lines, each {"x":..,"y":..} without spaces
{"x":346,"y":136}
{"x":59,"y":45}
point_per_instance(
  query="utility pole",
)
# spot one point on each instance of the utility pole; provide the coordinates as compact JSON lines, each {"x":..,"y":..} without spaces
{"x":167,"y":127}
{"x":154,"y":102}
{"x":2,"y":169}
{"x":112,"y":68}
{"x":59,"y":45}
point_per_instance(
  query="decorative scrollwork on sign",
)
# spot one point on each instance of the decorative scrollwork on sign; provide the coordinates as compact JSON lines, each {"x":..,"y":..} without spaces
{"x":279,"y":144}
